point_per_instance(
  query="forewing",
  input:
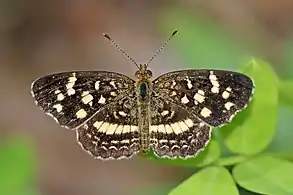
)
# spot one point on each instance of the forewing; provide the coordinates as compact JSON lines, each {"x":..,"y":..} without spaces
{"x":71,"y":98}
{"x":175,"y":132}
{"x":215,"y":96}
{"x":112,"y":133}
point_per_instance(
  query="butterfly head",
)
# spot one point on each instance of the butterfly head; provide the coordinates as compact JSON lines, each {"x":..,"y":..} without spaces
{"x":143,"y":72}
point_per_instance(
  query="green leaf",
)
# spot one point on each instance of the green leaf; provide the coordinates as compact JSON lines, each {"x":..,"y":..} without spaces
{"x":253,"y":129}
{"x":211,"y":154}
{"x":201,"y":42}
{"x":17,"y":166}
{"x":207,"y":156}
{"x":286,"y":93}
{"x":265,"y":175}
{"x":282,"y":142}
{"x":209,"y":181}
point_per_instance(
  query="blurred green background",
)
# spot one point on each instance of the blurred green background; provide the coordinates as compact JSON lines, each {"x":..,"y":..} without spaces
{"x":38,"y":37}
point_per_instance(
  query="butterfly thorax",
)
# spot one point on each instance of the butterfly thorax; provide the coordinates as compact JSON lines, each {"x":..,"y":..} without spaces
{"x":143,"y":91}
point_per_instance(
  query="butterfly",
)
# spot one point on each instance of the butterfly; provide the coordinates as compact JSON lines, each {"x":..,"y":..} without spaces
{"x":117,"y":117}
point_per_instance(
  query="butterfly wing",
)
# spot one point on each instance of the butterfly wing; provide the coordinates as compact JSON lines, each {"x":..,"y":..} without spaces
{"x":112,"y":133}
{"x":71,"y":98}
{"x":175,"y":132}
{"x":214,"y":96}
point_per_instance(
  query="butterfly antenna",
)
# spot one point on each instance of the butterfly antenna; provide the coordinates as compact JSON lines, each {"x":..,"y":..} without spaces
{"x":162,"y":47}
{"x":120,"y":49}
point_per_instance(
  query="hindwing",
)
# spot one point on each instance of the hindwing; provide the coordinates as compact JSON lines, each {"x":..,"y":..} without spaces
{"x":175,"y":132}
{"x":112,"y":133}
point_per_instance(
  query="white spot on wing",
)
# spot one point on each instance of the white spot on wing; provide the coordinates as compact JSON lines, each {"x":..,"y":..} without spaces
{"x":70,"y":84}
{"x":72,"y":79}
{"x":228,"y":105}
{"x":161,"y":129}
{"x":205,"y":112}
{"x":215,"y":89}
{"x":189,"y":85}
{"x":85,"y":93}
{"x":176,"y":128}
{"x":201,"y":92}
{"x":184,"y":100}
{"x":126,"y":129}
{"x":97,"y":124}
{"x":214,"y":80}
{"x":97,"y":85}
{"x":213,"y":76}
{"x":87,"y":98}
{"x":165,"y":112}
{"x":104,"y":127}
{"x":162,"y":141}
{"x":70,"y":91}
{"x":115,"y":115}
{"x":154,"y":128}
{"x":113,"y":93}
{"x":113,"y":84}
{"x":183,"y":126}
{"x":225,"y":95}
{"x":168,"y":129}
{"x":60,"y":97}
{"x":58,"y":107}
{"x":119,"y":129}
{"x":111,"y":129}
{"x":81,"y":114}
{"x":122,"y":113}
{"x":133,"y":128}
{"x":125,"y":141}
{"x":189,"y":122}
{"x":102,"y":100}
{"x":199,"y":97}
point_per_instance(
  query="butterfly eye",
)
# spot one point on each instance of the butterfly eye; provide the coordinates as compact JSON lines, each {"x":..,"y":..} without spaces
{"x":149,"y":73}
{"x":137,"y":73}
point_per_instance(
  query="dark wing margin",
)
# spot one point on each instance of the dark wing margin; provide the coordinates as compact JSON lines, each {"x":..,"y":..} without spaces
{"x":71,"y":98}
{"x":113,"y":132}
{"x":175,"y":132}
{"x":214,"y":96}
